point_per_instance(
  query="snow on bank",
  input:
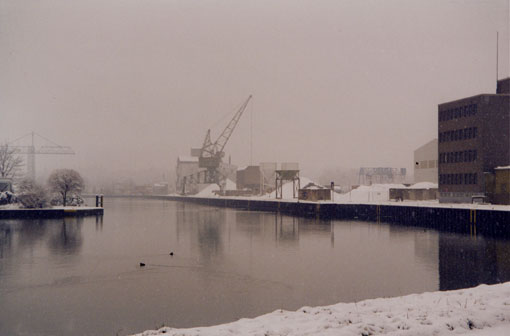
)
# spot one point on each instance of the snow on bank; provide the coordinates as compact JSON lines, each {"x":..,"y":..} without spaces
{"x":211,"y":188}
{"x":368,"y":194}
{"x":480,"y":311}
{"x":288,"y":188}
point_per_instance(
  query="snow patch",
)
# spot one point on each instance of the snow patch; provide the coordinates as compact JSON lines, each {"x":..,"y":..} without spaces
{"x":480,"y":311}
{"x":211,"y":188}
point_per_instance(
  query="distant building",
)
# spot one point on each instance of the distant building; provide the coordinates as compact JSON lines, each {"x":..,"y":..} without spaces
{"x":425,"y":162}
{"x":160,"y":188}
{"x":186,"y":166}
{"x":249,"y":178}
{"x":474,"y":139}
{"x":381,"y":175}
{"x":5,"y":184}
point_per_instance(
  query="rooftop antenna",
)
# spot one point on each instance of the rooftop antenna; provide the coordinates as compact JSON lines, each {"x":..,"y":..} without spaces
{"x":497,"y":54}
{"x":251,"y":135}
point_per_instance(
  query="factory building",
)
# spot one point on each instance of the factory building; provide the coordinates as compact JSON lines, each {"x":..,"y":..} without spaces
{"x":249,"y":178}
{"x":186,"y":166}
{"x":425,"y":162}
{"x":474,"y":139}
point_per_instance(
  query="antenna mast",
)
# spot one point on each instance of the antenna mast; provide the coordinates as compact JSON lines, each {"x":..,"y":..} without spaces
{"x":497,"y":54}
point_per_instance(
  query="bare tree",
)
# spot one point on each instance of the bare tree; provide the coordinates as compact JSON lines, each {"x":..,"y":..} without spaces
{"x":10,"y":162}
{"x":65,"y":182}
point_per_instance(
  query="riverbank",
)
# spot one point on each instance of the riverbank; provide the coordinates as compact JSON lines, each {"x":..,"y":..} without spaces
{"x":483,"y":310}
{"x":54,"y":212}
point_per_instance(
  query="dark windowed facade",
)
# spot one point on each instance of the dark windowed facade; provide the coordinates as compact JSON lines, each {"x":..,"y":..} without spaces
{"x":474,"y":138}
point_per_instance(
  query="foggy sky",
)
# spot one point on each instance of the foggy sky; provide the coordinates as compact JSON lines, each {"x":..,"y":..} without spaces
{"x":132,"y":84}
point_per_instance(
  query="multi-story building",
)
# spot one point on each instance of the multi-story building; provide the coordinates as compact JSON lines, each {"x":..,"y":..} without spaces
{"x":474,"y":139}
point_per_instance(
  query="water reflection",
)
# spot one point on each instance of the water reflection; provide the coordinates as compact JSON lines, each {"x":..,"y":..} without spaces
{"x":65,"y":237}
{"x":466,"y":261}
{"x":247,"y":263}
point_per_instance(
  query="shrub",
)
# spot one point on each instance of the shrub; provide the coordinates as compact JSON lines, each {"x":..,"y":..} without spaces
{"x":32,"y":195}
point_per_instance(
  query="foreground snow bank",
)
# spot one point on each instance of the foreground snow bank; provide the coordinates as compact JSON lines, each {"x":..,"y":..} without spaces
{"x":484,"y":310}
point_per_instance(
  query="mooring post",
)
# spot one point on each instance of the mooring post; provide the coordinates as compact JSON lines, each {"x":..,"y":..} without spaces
{"x":332,"y":191}
{"x":97,"y":201}
{"x":102,"y":199}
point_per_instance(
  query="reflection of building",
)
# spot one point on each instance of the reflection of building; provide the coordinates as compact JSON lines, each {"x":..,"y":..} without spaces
{"x":425,"y":163}
{"x":474,"y":138}
{"x":465,"y":261}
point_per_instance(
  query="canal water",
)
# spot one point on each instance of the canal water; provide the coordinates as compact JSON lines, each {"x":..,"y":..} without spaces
{"x":82,"y":276}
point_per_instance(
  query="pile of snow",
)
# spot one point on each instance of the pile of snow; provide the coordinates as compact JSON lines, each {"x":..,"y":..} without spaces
{"x":368,"y":194}
{"x":424,"y":185}
{"x":484,"y":310}
{"x":288,"y":187}
{"x":211,"y":188}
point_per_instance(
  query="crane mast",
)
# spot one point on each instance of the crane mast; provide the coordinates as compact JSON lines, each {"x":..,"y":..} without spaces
{"x":211,"y":153}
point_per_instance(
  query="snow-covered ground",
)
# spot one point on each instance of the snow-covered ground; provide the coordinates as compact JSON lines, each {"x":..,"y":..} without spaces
{"x":374,"y":194}
{"x":480,"y":311}
{"x":211,"y":188}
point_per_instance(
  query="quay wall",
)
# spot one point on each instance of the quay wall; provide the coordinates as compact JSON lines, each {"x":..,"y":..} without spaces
{"x":48,"y":213}
{"x":487,"y":222}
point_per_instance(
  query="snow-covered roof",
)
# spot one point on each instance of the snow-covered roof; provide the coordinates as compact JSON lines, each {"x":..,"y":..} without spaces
{"x":424,"y":185}
{"x":183,"y":158}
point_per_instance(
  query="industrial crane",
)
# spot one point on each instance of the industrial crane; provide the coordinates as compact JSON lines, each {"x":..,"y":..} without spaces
{"x":31,"y":151}
{"x":211,"y":154}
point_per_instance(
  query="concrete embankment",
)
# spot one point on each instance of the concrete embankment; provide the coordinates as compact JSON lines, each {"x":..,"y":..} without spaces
{"x":50,"y":213}
{"x":474,"y":221}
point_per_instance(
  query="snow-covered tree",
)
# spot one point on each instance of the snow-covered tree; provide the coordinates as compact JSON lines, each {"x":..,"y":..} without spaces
{"x":9,"y":161}
{"x":66,"y":183}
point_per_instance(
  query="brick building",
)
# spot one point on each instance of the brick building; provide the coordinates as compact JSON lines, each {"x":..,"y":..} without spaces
{"x":474,"y":138}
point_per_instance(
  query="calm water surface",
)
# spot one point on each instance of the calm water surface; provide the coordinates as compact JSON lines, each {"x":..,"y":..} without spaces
{"x":82,"y":276}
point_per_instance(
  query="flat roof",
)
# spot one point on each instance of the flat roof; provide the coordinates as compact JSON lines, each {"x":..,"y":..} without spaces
{"x":476,"y":96}
{"x":187,"y":159}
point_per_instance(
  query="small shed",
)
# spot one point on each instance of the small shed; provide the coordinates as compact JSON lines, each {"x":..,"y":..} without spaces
{"x":5,"y":184}
{"x":313,"y":192}
{"x":501,"y":185}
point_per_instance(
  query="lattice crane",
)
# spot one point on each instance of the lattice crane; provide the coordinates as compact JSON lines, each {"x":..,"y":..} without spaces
{"x":31,"y":151}
{"x":211,"y":155}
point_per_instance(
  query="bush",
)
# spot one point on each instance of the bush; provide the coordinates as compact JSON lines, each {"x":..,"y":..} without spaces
{"x":72,"y":200}
{"x":32,"y":195}
{"x":7,"y":197}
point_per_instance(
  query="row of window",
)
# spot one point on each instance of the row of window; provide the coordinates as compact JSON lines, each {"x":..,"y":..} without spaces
{"x":458,"y":112}
{"x":460,"y":134}
{"x":469,"y":178}
{"x":455,"y":157}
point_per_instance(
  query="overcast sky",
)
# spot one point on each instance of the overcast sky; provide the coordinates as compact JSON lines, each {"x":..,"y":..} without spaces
{"x":132,"y":84}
